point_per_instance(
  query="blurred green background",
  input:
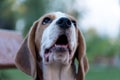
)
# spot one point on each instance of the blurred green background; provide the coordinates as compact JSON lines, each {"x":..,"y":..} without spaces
{"x":103,"y":51}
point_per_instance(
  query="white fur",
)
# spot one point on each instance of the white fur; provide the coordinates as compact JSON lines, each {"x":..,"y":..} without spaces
{"x":57,"y":72}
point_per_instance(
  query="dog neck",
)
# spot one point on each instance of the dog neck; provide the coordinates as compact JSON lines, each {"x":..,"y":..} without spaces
{"x":58,"y":72}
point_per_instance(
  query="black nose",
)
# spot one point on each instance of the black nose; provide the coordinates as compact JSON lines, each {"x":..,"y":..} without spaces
{"x":64,"y":23}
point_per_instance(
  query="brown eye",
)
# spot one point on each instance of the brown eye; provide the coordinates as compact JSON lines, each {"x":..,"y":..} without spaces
{"x":74,"y":23}
{"x":46,"y":20}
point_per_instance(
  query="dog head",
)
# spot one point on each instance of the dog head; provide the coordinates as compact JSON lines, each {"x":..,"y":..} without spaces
{"x":53,"y":39}
{"x":59,"y":39}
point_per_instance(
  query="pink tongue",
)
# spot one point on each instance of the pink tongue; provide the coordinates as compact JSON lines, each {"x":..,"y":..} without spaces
{"x":46,"y":55}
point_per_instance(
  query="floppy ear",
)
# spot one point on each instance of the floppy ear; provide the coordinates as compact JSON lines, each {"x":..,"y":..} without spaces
{"x":26,"y":55}
{"x":81,"y":57}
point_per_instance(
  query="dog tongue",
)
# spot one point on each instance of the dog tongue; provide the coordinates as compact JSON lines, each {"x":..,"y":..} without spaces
{"x":46,"y":55}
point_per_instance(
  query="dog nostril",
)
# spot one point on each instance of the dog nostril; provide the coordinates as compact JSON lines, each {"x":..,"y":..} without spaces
{"x":68,"y":22}
{"x":60,"y":21}
{"x":64,"y":23}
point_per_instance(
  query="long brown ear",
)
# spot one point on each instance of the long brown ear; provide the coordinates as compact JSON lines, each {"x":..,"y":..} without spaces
{"x":81,"y":57}
{"x":26,"y":55}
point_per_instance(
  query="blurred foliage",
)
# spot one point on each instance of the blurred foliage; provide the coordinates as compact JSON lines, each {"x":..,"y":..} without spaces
{"x":13,"y":10}
{"x":101,"y":45}
{"x":29,"y":11}
{"x":7,"y":19}
{"x":33,"y":12}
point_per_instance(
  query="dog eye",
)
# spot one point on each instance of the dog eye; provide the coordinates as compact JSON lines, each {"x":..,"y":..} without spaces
{"x":46,"y":20}
{"x":74,"y":23}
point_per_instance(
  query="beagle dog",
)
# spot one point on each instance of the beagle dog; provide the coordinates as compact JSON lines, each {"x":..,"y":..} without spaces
{"x":54,"y":49}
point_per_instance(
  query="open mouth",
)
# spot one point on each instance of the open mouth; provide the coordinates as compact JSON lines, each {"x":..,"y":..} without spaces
{"x":61,"y":45}
{"x":62,"y":40}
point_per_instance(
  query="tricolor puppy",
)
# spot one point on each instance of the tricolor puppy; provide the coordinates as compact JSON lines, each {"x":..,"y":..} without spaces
{"x":52,"y":49}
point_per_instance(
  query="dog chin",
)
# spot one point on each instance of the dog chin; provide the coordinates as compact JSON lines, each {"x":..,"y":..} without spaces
{"x":61,"y":57}
{"x":60,"y":54}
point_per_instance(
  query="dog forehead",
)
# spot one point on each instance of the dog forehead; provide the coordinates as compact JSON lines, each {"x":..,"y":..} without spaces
{"x":60,"y":14}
